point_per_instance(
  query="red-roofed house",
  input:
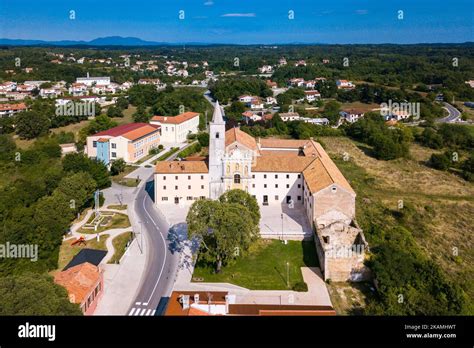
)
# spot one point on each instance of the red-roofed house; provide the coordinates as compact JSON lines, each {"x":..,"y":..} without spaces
{"x":175,"y":129}
{"x":11,"y":109}
{"x":84,"y":284}
{"x":131,"y":142}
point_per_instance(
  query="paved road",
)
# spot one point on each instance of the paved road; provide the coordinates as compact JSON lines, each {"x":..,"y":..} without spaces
{"x":454,"y":114}
{"x":162,"y":264}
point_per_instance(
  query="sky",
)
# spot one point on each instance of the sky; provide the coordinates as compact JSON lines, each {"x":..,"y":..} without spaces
{"x":242,"y":21}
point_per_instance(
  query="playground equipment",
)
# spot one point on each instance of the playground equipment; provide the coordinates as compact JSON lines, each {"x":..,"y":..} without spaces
{"x":80,"y":240}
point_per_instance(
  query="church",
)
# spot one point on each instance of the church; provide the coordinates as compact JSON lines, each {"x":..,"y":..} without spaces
{"x":295,"y":173}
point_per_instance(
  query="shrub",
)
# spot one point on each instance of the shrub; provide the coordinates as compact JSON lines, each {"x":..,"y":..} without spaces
{"x":300,"y":287}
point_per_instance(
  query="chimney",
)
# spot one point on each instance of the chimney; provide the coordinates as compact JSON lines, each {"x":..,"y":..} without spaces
{"x":185,"y":301}
{"x":226,"y":304}
{"x":196,"y":298}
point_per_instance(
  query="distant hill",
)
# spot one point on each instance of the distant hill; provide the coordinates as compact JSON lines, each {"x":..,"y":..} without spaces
{"x":101,"y":41}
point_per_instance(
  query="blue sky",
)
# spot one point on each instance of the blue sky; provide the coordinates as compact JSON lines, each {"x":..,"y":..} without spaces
{"x":242,"y":21}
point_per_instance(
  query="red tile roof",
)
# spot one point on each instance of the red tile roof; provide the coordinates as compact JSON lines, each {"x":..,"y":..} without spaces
{"x":175,"y":119}
{"x":20,"y":106}
{"x":130,"y":131}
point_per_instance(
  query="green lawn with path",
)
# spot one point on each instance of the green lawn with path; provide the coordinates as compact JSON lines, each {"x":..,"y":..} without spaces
{"x":120,"y":242}
{"x":264,"y":266}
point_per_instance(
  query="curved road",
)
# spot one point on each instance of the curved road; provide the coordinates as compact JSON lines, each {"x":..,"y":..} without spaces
{"x":453,"y":116}
{"x":162,"y":264}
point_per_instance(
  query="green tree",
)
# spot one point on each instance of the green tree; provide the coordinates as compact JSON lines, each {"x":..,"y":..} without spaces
{"x":245,"y":199}
{"x":118,"y":166}
{"x":7,"y":147}
{"x":141,"y":115}
{"x":122,"y":103}
{"x":224,"y":230}
{"x":34,"y":294}
{"x":203,"y":139}
{"x":31,"y":124}
{"x":440,"y":161}
{"x":114,"y":111}
{"x":76,"y":162}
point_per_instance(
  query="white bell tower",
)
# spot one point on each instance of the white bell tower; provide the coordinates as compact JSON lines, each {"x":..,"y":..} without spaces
{"x":216,"y":153}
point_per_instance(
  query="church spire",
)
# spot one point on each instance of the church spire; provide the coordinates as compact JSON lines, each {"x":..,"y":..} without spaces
{"x":217,"y":116}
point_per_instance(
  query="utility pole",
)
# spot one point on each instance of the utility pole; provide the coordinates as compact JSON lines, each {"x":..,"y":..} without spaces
{"x":288,"y":275}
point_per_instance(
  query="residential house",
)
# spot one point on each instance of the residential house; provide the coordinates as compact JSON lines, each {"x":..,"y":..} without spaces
{"x":175,"y":129}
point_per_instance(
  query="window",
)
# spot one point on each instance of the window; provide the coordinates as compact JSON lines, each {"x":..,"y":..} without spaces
{"x":276,"y":185}
{"x":277,"y":198}
{"x":164,"y":187}
{"x":253,"y":185}
{"x":264,"y":176}
{"x":299,"y":176}
{"x":334,"y":189}
{"x":264,"y":185}
{"x":299,"y":198}
{"x":253,"y":176}
{"x":114,"y":146}
{"x":237,"y":179}
{"x":189,"y":177}
{"x":176,"y":177}
{"x":189,"y":187}
{"x":287,"y":185}
{"x":114,"y":154}
{"x":176,"y":187}
{"x":287,"y":176}
{"x":189,"y":198}
{"x":299,"y":185}
{"x":202,"y":177}
{"x":276,"y":176}
{"x":217,"y":135}
{"x":94,"y":143}
{"x":164,"y":177}
{"x":202,"y":187}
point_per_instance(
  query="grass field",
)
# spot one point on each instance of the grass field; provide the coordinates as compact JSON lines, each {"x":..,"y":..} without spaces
{"x":119,"y":242}
{"x":264,"y":267}
{"x":442,"y":203}
{"x":67,"y":251}
{"x":120,"y":178}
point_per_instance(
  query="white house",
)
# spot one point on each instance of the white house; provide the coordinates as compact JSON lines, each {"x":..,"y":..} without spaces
{"x":175,"y":129}
{"x":344,"y":84}
{"x":352,"y":115}
{"x":312,"y":95}
{"x":89,"y":81}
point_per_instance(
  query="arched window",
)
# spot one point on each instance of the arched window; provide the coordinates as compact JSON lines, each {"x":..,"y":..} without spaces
{"x":237,"y":179}
{"x":237,"y":167}
{"x":228,"y":169}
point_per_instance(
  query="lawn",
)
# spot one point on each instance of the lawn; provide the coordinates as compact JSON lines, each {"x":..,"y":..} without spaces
{"x":264,"y":266}
{"x":166,"y":155}
{"x":117,"y":207}
{"x":67,"y":251}
{"x":119,"y":243}
{"x":116,"y":221}
{"x":120,"y":178}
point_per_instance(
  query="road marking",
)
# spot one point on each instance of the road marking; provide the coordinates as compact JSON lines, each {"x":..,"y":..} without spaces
{"x":138,"y":303}
{"x":132,"y":311}
{"x":137,"y":312}
{"x":149,"y":311}
{"x":153,"y":313}
{"x":143,"y":311}
{"x":164,"y":244}
{"x":145,"y":303}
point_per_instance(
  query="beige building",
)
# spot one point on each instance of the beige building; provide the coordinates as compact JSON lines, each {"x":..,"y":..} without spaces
{"x":175,"y":129}
{"x":275,"y":171}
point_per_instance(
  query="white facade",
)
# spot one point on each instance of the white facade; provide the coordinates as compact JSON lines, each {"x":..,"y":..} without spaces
{"x":175,"y":129}
{"x":216,"y":148}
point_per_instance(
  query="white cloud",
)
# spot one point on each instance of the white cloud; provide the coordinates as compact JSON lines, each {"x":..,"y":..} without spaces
{"x":209,"y":3}
{"x":239,"y":15}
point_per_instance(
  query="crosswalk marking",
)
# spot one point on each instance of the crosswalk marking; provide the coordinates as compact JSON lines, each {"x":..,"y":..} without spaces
{"x":145,"y":303}
{"x":142,"y":311}
{"x":138,"y":303}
